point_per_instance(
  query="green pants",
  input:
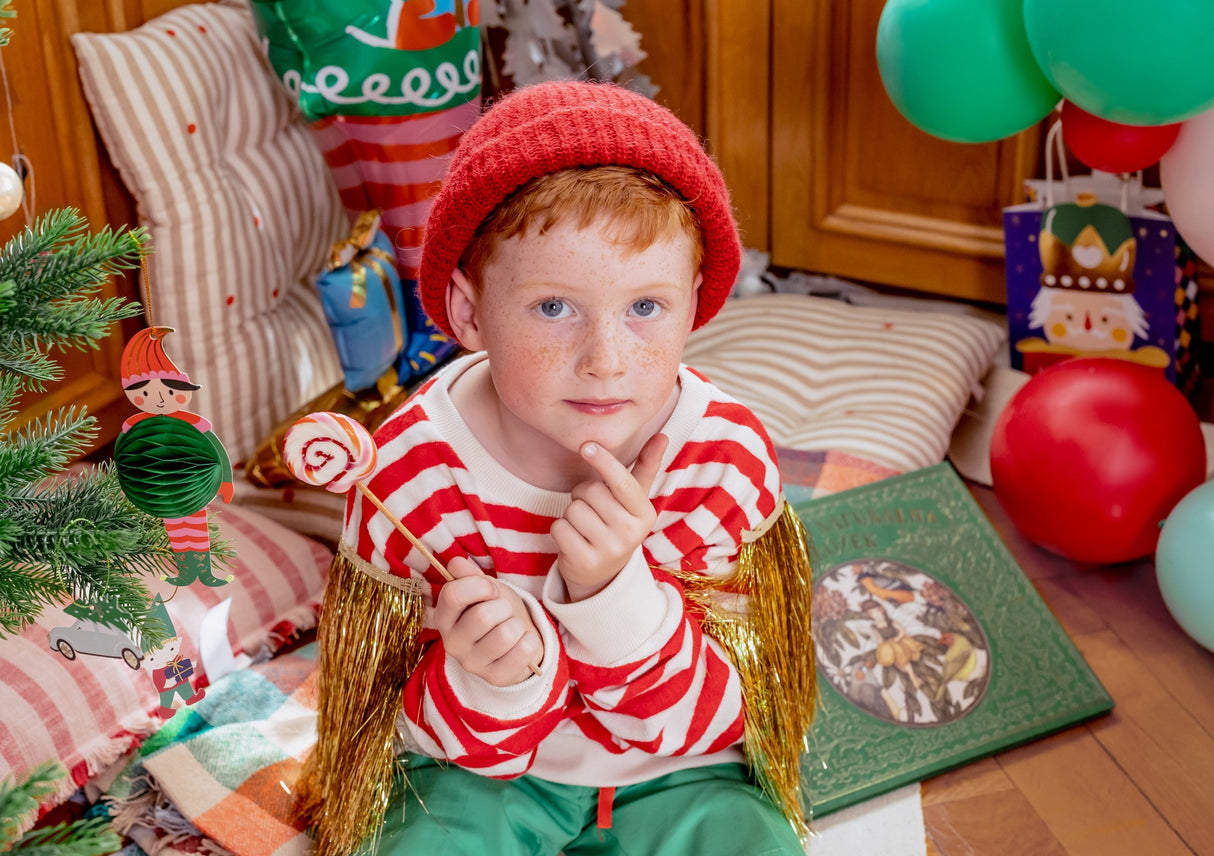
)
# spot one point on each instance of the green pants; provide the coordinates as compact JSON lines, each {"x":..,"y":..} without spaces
{"x":709,"y":811}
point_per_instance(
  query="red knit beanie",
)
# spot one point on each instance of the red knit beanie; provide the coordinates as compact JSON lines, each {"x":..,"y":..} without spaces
{"x":144,"y":358}
{"x":548,"y":127}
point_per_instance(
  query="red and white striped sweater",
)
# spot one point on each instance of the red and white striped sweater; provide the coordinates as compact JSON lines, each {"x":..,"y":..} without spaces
{"x":632,"y":688}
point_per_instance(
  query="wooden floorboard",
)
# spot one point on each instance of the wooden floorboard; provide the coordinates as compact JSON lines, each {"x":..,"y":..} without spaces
{"x":1138,"y":781}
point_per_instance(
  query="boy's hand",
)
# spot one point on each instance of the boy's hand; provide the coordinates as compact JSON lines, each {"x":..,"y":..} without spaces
{"x":608,"y":518}
{"x":485,"y":626}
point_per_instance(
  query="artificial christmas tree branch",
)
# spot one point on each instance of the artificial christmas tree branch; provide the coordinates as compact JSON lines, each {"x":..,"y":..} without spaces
{"x":66,"y":538}
{"x":82,"y":838}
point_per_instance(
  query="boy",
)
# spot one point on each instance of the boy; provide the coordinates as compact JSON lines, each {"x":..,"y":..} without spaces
{"x":591,"y":497}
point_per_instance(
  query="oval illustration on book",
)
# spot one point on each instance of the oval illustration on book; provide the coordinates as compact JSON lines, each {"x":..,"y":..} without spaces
{"x":899,"y":644}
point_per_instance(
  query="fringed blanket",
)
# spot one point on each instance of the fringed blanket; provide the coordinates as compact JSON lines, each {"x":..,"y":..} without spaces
{"x":218,"y":777}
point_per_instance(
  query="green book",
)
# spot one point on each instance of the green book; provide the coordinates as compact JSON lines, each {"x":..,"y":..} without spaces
{"x":933,"y":647}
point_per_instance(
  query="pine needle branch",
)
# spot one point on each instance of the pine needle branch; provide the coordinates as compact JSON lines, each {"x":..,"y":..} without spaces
{"x":20,"y":801}
{"x":58,"y":266}
{"x":43,"y":448}
{"x":32,"y":369}
{"x":91,"y":837}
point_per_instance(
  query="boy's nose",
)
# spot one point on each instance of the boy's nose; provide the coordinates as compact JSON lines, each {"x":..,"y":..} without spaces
{"x":603,"y":352}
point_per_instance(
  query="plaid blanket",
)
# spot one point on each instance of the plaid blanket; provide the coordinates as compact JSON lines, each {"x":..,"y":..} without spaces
{"x":218,"y":777}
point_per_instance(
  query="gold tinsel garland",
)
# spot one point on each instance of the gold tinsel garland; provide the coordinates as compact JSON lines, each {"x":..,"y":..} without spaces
{"x":772,"y":649}
{"x":367,"y":646}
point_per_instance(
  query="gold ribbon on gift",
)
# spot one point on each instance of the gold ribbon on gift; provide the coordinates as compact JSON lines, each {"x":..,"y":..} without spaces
{"x":361,"y":235}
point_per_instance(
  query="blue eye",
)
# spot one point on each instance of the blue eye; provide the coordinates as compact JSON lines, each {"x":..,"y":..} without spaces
{"x":552,"y":308}
{"x":645,"y":308}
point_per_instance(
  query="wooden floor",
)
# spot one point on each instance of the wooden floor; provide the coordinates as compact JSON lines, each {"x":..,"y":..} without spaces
{"x":1139,"y":781}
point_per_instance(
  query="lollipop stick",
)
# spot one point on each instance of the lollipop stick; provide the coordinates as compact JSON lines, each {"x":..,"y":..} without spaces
{"x":404,"y":530}
{"x":430,"y":557}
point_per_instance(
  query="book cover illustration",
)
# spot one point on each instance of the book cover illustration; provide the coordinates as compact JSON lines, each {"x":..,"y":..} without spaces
{"x":933,"y":647}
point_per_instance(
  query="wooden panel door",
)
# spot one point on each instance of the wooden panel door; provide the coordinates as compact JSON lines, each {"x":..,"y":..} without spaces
{"x":709,"y":60}
{"x":858,"y":191}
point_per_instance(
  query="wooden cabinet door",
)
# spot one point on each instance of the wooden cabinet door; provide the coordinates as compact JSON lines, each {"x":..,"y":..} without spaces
{"x":858,"y":191}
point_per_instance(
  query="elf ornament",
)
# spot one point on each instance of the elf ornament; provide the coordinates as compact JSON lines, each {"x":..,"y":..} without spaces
{"x":1086,"y":304}
{"x":170,"y":464}
{"x":170,"y":671}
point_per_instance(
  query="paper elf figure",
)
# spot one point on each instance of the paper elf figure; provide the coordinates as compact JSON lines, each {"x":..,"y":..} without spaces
{"x":1086,"y":304}
{"x":170,"y":463}
{"x":170,"y":671}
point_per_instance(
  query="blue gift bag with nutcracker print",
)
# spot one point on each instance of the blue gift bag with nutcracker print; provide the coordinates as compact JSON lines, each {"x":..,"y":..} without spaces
{"x":1093,"y":269}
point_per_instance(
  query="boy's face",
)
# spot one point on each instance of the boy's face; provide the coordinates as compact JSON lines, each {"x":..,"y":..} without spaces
{"x":584,"y":338}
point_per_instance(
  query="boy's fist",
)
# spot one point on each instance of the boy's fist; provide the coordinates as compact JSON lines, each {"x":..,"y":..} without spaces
{"x":485,"y":626}
{"x":608,"y":518}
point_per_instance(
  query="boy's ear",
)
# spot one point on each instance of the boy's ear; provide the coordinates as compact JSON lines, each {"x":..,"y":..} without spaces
{"x":462,"y":304}
{"x":695,"y":301}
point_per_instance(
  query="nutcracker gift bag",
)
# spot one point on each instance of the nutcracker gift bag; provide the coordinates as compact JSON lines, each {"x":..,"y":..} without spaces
{"x":1093,"y":269}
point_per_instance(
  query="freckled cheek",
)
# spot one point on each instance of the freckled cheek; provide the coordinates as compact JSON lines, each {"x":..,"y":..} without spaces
{"x":658,"y":354}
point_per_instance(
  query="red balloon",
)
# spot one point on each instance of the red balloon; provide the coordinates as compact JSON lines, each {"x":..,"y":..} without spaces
{"x":1111,"y":146}
{"x":1090,"y":456}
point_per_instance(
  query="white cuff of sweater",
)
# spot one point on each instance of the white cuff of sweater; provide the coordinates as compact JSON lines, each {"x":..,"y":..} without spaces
{"x":621,"y":622}
{"x":516,"y":701}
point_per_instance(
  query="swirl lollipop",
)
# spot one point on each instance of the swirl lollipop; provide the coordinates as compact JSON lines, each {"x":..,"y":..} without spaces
{"x":329,"y":450}
{"x":332,"y":451}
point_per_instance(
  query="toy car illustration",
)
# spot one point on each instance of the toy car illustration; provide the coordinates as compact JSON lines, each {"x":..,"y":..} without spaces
{"x":91,"y":637}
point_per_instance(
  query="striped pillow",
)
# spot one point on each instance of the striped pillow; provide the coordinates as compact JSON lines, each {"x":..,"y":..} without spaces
{"x":87,"y":712}
{"x":239,"y":202}
{"x":881,"y":384}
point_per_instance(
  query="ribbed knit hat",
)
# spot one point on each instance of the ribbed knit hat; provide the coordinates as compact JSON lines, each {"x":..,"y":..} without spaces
{"x":547,"y":127}
{"x":144,"y":358}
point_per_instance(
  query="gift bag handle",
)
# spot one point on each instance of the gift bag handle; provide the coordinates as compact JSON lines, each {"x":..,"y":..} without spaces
{"x":1054,"y":146}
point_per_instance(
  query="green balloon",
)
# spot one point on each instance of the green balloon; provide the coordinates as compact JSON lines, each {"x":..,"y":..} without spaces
{"x":962,"y":70}
{"x":1127,"y":61}
{"x":167,"y":467}
{"x":1184,"y":563}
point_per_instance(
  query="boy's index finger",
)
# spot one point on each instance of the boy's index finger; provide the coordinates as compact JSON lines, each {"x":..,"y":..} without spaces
{"x":649,"y":462}
{"x":630,"y":487}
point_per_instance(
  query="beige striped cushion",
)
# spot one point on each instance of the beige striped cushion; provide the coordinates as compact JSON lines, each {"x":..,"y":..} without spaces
{"x":240,"y":205}
{"x":88,"y":711}
{"x":882,"y":384}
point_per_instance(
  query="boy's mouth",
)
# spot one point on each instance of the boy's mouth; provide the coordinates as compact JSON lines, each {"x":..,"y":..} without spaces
{"x":598,"y":407}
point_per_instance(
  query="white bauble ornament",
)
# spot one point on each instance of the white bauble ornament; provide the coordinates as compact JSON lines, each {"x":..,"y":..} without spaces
{"x":12,"y":191}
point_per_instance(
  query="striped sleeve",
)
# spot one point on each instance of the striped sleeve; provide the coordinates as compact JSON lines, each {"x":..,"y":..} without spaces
{"x":676,"y":691}
{"x":450,"y":713}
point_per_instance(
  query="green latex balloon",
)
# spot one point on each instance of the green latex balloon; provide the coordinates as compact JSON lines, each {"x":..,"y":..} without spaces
{"x":1184,"y":563}
{"x":167,"y":467}
{"x":962,"y":70}
{"x":1127,"y":61}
